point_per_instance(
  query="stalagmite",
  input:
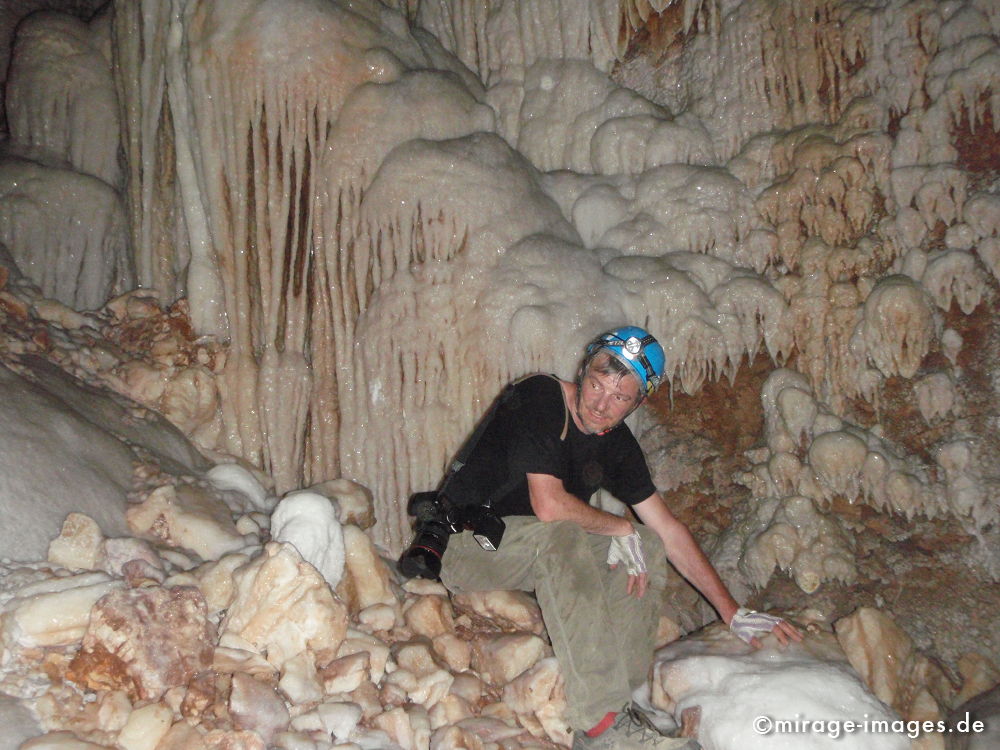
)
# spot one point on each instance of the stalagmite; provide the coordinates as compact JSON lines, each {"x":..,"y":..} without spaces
{"x":309,"y":521}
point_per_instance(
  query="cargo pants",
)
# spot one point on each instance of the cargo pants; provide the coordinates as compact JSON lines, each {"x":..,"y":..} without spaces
{"x":603,"y":638}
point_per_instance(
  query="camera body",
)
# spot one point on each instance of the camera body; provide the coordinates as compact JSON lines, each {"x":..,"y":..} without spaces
{"x":436,"y":520}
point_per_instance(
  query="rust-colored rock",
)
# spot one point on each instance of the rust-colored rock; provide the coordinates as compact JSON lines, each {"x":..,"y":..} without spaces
{"x":200,"y":696}
{"x":145,"y":641}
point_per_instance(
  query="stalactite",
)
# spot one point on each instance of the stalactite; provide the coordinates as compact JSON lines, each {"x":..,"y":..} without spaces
{"x":66,"y":231}
{"x":60,"y":94}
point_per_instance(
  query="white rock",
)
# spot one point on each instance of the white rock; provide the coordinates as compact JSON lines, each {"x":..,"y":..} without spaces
{"x":309,"y":521}
{"x":60,"y":741}
{"x":339,"y":719}
{"x":515,"y":610}
{"x":360,"y":642}
{"x":236,"y":478}
{"x":344,"y":674}
{"x":284,"y":607}
{"x":145,"y":727}
{"x":353,"y":500}
{"x":538,"y":698}
{"x":455,"y":652}
{"x":79,"y":543}
{"x":53,"y":613}
{"x":429,"y":616}
{"x":186,"y":517}
{"x":377,"y":617}
{"x":299,"y":679}
{"x":254,"y":705}
{"x":368,"y":573}
{"x":215,"y":579}
{"x":501,"y":658}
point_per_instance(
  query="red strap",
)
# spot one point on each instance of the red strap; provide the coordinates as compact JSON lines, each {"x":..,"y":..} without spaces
{"x":603,"y":724}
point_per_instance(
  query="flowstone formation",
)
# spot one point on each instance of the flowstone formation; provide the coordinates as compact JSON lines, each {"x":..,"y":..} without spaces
{"x":377,"y":219}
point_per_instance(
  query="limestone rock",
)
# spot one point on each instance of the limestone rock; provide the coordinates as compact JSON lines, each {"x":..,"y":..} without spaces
{"x":182,"y":736}
{"x":455,"y":652}
{"x":892,"y":667}
{"x":215,"y":579}
{"x":145,"y":641}
{"x":377,"y":618}
{"x":346,"y":673}
{"x":228,"y":660}
{"x":145,"y":727}
{"x":255,"y":706}
{"x":469,"y":687}
{"x":499,"y":659}
{"x":60,"y":741}
{"x":221,"y":739}
{"x":300,"y":680}
{"x":54,"y":612}
{"x":353,"y":500}
{"x":186,"y":517}
{"x":339,"y":719}
{"x":538,"y":698}
{"x":430,"y":616}
{"x":116,"y":553}
{"x":512,"y":610}
{"x":79,"y":543}
{"x":419,"y":674}
{"x":200,"y":697}
{"x":378,"y":652}
{"x":450,"y":710}
{"x":283,"y":606}
{"x":367,"y":578}
{"x":408,"y":727}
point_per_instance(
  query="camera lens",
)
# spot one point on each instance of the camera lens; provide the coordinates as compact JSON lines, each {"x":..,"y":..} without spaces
{"x":423,"y":557}
{"x":420,"y":562}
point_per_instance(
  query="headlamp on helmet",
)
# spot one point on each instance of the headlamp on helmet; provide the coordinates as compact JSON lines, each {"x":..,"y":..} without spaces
{"x":638,"y":350}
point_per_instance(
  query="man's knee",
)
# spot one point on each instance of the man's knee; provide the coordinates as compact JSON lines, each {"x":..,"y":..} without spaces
{"x":563,"y":536}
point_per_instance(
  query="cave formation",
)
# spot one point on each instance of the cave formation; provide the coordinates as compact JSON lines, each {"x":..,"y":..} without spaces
{"x":319,"y":240}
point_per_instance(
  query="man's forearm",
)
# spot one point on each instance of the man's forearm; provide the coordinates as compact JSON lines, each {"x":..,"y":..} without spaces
{"x":551,"y":502}
{"x":684,"y":553}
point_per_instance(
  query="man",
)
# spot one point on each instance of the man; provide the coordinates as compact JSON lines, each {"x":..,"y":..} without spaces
{"x":537,"y":459}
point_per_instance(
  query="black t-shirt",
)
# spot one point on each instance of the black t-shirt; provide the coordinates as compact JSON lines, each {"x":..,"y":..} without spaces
{"x":532,"y":432}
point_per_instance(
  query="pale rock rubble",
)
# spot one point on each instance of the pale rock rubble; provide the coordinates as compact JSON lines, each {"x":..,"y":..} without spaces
{"x":184,"y":645}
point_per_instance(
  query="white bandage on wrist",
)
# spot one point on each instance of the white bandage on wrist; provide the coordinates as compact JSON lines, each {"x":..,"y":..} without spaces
{"x":747,"y":624}
{"x":627,"y":550}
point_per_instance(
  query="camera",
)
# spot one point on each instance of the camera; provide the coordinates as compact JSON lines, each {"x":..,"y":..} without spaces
{"x":436,"y":520}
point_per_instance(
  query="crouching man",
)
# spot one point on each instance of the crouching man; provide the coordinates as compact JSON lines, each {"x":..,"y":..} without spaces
{"x":535,"y":462}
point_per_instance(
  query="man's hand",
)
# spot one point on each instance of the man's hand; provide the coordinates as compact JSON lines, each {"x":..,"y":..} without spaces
{"x":748,"y":624}
{"x":628,"y":551}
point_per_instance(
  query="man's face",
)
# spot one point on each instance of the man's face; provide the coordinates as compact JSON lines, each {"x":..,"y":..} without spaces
{"x":605,"y":400}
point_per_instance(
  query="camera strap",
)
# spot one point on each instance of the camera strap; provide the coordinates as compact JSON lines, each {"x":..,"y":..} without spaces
{"x":462,"y":457}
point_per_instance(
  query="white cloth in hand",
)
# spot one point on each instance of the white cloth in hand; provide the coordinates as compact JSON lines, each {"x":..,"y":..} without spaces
{"x":747,"y":624}
{"x":628,"y":551}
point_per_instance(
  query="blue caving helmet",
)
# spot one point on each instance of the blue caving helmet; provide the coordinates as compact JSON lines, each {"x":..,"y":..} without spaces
{"x":636,"y":348}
